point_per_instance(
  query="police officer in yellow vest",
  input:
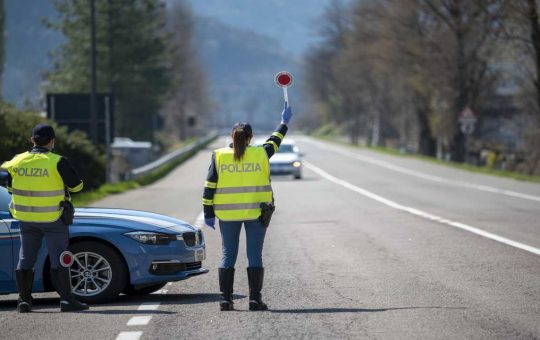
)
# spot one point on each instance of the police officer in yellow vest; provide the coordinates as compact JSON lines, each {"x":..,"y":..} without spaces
{"x":40,"y":181}
{"x":238,"y":182}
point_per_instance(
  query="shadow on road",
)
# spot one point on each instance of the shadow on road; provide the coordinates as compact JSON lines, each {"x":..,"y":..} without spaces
{"x":192,"y":299}
{"x":350,"y":310}
{"x":41,"y":304}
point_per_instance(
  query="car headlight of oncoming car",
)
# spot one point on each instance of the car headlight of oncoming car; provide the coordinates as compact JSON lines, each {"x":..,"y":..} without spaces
{"x":297,"y":164}
{"x":147,"y":237}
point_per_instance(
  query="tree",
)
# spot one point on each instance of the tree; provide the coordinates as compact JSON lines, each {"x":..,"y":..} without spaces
{"x":461,"y":36}
{"x":187,"y":101}
{"x":16,"y":131}
{"x":132,"y":57}
{"x":522,"y":34}
{"x":322,"y":79}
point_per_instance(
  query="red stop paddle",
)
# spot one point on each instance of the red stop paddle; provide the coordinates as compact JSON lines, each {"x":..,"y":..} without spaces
{"x":284,"y":79}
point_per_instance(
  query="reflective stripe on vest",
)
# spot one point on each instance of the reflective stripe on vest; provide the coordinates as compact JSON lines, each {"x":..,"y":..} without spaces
{"x":236,"y":206}
{"x":24,"y":208}
{"x":37,"y":187}
{"x":239,"y":190}
{"x":242,"y":186}
{"x":32,"y":193}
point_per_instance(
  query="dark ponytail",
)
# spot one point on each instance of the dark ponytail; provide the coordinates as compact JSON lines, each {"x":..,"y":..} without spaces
{"x":241,"y":135}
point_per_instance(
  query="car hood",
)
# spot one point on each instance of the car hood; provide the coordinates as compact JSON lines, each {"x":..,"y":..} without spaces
{"x":284,"y":158}
{"x":129,"y":220}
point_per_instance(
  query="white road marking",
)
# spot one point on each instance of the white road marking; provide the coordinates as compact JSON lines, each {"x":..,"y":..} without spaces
{"x":396,"y":168}
{"x":141,"y":320}
{"x":149,"y":306}
{"x":420,"y":213}
{"x":129,"y":336}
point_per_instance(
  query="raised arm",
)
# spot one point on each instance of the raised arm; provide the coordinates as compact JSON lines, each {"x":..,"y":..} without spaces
{"x":272,"y":144}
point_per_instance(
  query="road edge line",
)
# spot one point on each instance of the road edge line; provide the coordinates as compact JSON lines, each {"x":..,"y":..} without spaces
{"x":392,"y":167}
{"x":421,"y":213}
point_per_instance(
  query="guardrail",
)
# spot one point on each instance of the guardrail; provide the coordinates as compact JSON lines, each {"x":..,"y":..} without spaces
{"x":171,"y":157}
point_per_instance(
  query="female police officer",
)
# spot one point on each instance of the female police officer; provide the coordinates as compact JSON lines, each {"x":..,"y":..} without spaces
{"x":238,"y":182}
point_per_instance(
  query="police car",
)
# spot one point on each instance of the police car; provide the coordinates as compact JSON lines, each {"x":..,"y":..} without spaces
{"x":115,"y":251}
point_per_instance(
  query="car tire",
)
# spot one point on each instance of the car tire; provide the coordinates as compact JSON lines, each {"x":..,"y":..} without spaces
{"x":298,"y":176}
{"x":132,"y":291}
{"x":118,"y":271}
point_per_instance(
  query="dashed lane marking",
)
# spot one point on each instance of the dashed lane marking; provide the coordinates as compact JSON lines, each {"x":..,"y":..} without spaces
{"x":144,"y":320}
{"x":396,"y":168}
{"x":420,"y":213}
{"x":141,"y":320}
{"x":129,"y":335}
{"x":149,"y":306}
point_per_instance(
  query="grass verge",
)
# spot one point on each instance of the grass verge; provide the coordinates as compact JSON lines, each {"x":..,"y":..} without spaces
{"x":468,"y":167}
{"x":87,"y":197}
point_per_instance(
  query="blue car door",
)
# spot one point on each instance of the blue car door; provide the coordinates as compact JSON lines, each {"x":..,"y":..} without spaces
{"x":6,"y":258}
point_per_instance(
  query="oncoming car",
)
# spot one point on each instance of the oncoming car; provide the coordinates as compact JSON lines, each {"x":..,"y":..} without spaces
{"x":115,"y":251}
{"x":288,"y":159}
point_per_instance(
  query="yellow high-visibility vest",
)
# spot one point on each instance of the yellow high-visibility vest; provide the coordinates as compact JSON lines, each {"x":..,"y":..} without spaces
{"x":37,"y":188}
{"x":242,"y":186}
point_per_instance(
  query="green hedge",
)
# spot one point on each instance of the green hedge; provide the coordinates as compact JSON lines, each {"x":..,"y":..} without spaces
{"x":16,"y":130}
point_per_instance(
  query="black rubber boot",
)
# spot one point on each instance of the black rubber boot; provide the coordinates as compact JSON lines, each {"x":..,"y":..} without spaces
{"x":226,"y":283}
{"x":61,"y":282}
{"x":24,"y":279}
{"x":256,"y":279}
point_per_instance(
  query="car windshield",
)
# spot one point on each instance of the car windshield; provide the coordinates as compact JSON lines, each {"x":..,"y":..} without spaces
{"x":286,"y":148}
{"x":5,"y":198}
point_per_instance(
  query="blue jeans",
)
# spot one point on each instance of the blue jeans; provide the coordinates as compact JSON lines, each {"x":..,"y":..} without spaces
{"x":230,"y":237}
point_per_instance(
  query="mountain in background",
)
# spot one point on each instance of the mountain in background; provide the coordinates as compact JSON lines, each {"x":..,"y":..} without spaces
{"x":28,"y":48}
{"x":241,"y":45}
{"x":240,"y":66}
{"x":293,"y":23}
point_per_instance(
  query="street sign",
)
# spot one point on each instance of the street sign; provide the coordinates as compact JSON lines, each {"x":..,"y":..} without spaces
{"x":73,"y":111}
{"x":467,"y":121}
{"x":284,"y":79}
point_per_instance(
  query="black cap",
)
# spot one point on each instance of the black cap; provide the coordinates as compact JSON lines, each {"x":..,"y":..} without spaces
{"x":43,"y":132}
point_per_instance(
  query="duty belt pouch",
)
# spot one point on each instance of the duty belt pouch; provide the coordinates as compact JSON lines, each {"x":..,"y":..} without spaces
{"x":68,"y":213}
{"x":267,"y":209}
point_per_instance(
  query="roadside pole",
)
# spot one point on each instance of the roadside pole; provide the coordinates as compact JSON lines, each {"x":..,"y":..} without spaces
{"x":467,"y":121}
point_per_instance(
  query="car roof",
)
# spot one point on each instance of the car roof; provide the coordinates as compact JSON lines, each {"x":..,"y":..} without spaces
{"x":286,"y":141}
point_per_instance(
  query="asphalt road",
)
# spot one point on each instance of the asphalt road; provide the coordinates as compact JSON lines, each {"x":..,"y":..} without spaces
{"x":365,"y":246}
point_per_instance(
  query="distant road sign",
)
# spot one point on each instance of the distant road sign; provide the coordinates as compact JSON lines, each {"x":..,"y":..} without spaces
{"x":467,"y":121}
{"x":73,"y":110}
{"x":467,"y":115}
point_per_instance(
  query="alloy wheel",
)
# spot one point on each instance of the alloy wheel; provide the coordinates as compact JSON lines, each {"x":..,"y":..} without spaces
{"x":91,"y":274}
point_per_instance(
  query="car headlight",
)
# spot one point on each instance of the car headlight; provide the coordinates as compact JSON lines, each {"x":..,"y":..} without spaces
{"x":296,"y":164}
{"x":151,"y":238}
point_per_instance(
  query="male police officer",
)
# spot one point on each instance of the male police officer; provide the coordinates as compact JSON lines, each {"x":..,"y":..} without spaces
{"x":40,"y":182}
